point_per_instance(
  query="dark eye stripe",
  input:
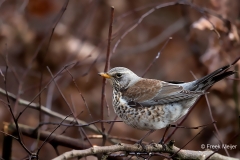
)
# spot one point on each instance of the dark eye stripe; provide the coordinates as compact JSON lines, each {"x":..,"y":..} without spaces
{"x":118,"y":75}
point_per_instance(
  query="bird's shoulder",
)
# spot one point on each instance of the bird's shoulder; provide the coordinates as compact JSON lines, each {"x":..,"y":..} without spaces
{"x":143,"y":90}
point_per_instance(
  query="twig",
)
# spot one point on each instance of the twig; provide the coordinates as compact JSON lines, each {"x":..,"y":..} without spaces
{"x":135,"y":10}
{"x":78,"y":125}
{"x":226,"y":143}
{"x":215,"y":126}
{"x":158,"y":55}
{"x":168,"y":4}
{"x":116,"y":138}
{"x":36,"y":53}
{"x":78,"y":89}
{"x":19,"y":139}
{"x":52,"y":133}
{"x":59,"y":16}
{"x":112,"y":123}
{"x":46,"y":110}
{"x":160,"y":38}
{"x":75,"y":114}
{"x":210,"y":113}
{"x":187,"y":143}
{"x":9,"y":135}
{"x":66,"y":101}
{"x":63,"y":69}
{"x":236,"y":93}
{"x":213,"y":27}
{"x":107,"y":64}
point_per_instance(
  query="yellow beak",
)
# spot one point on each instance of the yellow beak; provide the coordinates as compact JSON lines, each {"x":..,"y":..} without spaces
{"x":105,"y":75}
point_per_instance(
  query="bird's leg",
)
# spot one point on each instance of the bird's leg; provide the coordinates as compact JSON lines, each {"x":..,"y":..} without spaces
{"x":162,"y":140}
{"x":148,"y":133}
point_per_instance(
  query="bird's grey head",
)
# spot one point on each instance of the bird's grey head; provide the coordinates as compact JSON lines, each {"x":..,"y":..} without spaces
{"x":121,"y":78}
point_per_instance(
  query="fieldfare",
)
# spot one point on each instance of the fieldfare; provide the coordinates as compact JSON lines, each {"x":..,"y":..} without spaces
{"x":150,"y":104}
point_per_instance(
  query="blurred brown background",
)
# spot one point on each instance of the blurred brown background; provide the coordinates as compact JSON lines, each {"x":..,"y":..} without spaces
{"x":81,"y":35}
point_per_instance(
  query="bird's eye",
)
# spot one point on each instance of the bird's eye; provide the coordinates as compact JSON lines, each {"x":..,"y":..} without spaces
{"x":118,"y":75}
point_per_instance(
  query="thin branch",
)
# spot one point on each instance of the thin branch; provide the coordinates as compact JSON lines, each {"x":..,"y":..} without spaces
{"x":63,"y":69}
{"x":213,"y":121}
{"x":9,"y":135}
{"x":52,"y":133}
{"x":188,"y":142}
{"x":19,"y":139}
{"x":78,"y":125}
{"x":107,"y":64}
{"x":215,"y":126}
{"x":66,"y":101}
{"x":75,"y":114}
{"x":78,"y":89}
{"x":46,"y":110}
{"x":35,"y":55}
{"x":168,"y":4}
{"x":158,"y":55}
{"x":136,"y":10}
{"x":213,"y":27}
{"x":59,"y":16}
{"x":116,"y":138}
{"x":226,"y":143}
{"x":112,"y":123}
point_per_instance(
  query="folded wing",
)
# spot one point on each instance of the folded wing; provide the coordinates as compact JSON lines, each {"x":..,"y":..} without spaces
{"x":149,"y":92}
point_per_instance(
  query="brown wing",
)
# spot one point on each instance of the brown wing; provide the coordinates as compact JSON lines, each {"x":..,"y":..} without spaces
{"x":143,"y":90}
{"x":149,"y":92}
{"x":171,"y":93}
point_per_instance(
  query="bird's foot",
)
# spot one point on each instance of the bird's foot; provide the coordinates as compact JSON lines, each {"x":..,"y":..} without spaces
{"x":139,"y":143}
{"x":163,"y":144}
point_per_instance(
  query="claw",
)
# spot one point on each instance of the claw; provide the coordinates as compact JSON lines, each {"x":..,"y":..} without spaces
{"x":141,"y":144}
{"x":163,"y":145}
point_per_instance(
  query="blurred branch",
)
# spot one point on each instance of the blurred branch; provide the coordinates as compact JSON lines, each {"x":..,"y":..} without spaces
{"x":235,"y":92}
{"x":15,"y":120}
{"x":47,"y":111}
{"x":66,"y":102}
{"x":215,"y":126}
{"x":117,"y":139}
{"x":143,"y":47}
{"x":107,"y":64}
{"x":152,"y":148}
{"x":157,"y":56}
{"x":236,"y":97}
{"x":54,"y":140}
{"x":48,"y":137}
{"x":200,"y":9}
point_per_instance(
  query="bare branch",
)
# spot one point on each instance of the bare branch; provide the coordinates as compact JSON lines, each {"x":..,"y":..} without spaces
{"x":47,"y":110}
{"x":158,"y":55}
{"x":51,"y":134}
{"x":55,"y":139}
{"x":215,"y":126}
{"x":107,"y":64}
{"x":183,"y":154}
{"x":15,"y":120}
{"x":168,"y":4}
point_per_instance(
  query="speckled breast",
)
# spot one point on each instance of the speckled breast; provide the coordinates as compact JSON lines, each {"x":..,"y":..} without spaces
{"x":148,"y":118}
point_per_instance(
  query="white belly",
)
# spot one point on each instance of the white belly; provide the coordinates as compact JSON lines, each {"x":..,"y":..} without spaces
{"x":157,"y":117}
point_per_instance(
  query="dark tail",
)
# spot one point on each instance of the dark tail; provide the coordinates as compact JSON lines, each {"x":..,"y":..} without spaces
{"x":206,"y":82}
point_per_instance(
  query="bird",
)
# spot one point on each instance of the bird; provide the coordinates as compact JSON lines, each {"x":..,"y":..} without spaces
{"x":151,"y":104}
